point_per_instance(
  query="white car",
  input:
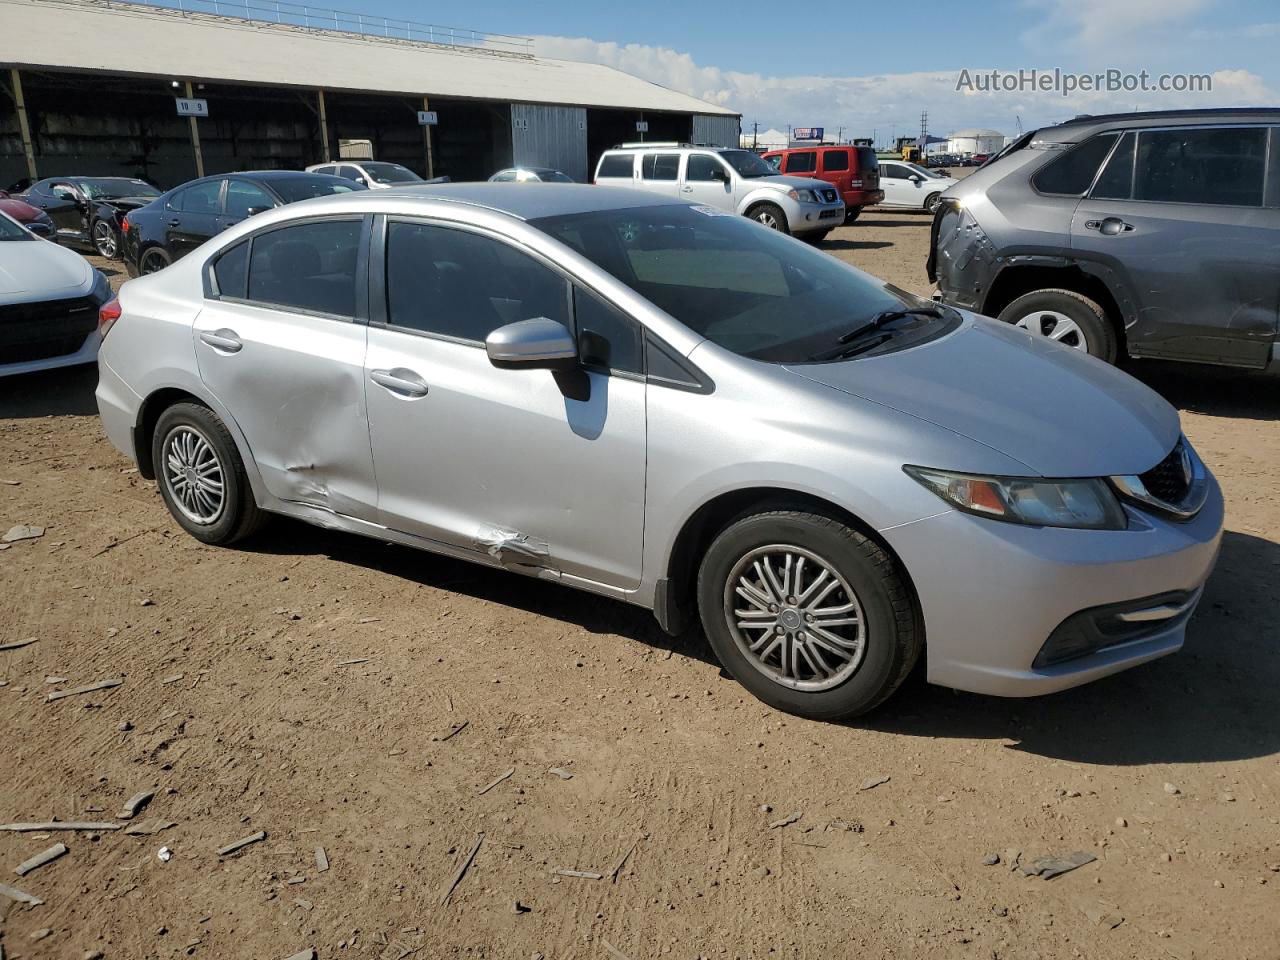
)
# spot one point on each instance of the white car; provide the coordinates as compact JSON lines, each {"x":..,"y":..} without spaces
{"x":374,"y":174}
{"x":910,"y":186}
{"x":530,"y":175}
{"x":49,"y":302}
{"x":736,"y":181}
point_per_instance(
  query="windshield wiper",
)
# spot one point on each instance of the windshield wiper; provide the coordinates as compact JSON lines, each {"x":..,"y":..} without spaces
{"x":877,"y":322}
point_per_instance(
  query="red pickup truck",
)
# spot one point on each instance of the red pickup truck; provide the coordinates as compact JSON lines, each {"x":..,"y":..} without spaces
{"x":854,"y":171}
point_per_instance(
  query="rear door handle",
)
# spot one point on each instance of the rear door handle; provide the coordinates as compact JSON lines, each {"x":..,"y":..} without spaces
{"x":227,"y":341}
{"x":401,"y":381}
{"x":1109,"y":227}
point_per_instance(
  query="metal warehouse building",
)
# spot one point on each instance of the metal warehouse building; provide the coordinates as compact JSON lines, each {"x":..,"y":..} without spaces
{"x":91,"y":87}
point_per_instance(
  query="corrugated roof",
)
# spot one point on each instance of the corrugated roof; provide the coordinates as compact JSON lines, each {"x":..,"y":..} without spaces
{"x":118,"y":38}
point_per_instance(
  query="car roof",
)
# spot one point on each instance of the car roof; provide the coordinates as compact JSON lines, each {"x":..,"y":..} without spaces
{"x":513,"y":199}
{"x":1084,"y":123}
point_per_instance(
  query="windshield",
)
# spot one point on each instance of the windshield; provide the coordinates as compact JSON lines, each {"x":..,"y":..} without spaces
{"x":12,"y":230}
{"x":747,"y":163}
{"x":933,"y":174}
{"x":112,"y":188}
{"x":553,"y":176}
{"x":304,"y":187}
{"x":750,"y":290}
{"x":391,"y":173}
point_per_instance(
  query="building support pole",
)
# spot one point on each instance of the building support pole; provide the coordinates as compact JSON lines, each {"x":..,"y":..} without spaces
{"x":426,"y":139}
{"x":195,"y":136}
{"x":24,"y":126}
{"x":324,"y":128}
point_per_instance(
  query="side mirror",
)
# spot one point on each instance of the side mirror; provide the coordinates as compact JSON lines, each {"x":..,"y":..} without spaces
{"x":916,"y":178}
{"x":720,"y":174}
{"x":65,"y":195}
{"x":254,"y":211}
{"x":536,"y":343}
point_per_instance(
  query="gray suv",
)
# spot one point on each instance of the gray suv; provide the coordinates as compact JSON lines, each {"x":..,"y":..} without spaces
{"x":1140,"y":234}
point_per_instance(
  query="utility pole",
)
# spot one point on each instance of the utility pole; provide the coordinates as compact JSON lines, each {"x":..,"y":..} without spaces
{"x":755,"y":134}
{"x":195,"y":136}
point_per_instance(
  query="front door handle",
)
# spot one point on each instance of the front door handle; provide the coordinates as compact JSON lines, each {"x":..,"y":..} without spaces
{"x":227,"y":341}
{"x":174,"y":222}
{"x":686,"y":189}
{"x":1110,"y":227}
{"x":401,"y":381}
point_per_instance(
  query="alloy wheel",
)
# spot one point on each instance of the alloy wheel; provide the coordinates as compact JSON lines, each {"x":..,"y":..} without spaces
{"x":1056,"y":326}
{"x":194,"y":475}
{"x":152,"y":263}
{"x":104,"y":240}
{"x":795,"y":618}
{"x":767,"y":219}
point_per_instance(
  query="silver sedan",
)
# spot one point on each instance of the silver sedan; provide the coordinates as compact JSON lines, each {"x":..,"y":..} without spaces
{"x":671,"y":406}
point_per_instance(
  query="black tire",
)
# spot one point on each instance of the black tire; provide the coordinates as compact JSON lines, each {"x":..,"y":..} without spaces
{"x":1097,"y":335}
{"x":153,"y":260}
{"x":891,"y":641}
{"x":106,"y":240}
{"x":852,"y":214}
{"x":769,"y":215}
{"x":815,"y":237}
{"x":931,"y":202}
{"x":239,"y":515}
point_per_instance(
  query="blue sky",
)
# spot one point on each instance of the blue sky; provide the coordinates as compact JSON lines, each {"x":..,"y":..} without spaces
{"x":868,"y":65}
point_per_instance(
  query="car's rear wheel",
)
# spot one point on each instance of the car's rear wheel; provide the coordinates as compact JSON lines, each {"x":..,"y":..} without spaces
{"x":769,"y":215}
{"x":201,"y":476}
{"x":1067,"y":317}
{"x":852,"y":214}
{"x":154,"y":260}
{"x":931,"y":202}
{"x":105,"y":240}
{"x":807,"y":613}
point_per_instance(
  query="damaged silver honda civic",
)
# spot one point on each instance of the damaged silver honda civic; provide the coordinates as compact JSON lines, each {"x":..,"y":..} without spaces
{"x":664,"y":404}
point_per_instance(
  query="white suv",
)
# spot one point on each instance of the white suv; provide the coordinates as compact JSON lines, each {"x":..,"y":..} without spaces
{"x":737,"y":181}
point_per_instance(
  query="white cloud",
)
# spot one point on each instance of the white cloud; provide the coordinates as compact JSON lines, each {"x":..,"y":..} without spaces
{"x":1104,"y":26}
{"x":1251,"y":31}
{"x":883,"y":102}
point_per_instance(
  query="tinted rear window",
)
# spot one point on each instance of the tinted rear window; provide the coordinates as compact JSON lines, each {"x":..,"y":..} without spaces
{"x":1070,"y":173}
{"x":306,"y":186}
{"x":835,"y":160}
{"x":616,"y":165}
{"x":1220,"y":166}
{"x":659,"y":166}
{"x":309,"y":266}
{"x":1116,"y":182}
{"x":867,"y":159}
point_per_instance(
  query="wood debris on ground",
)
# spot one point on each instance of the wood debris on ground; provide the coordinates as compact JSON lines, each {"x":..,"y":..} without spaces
{"x":134,"y":804}
{"x":18,"y":895}
{"x":148,"y":828}
{"x":322,"y":860}
{"x":462,"y":870}
{"x":90,"y":688}
{"x":241,"y":844}
{"x":18,"y":644}
{"x":786,"y":821}
{"x":874,"y":782}
{"x":453,"y":731}
{"x":23,"y":531}
{"x":582,"y":874}
{"x":613,"y":951}
{"x":40,"y":859}
{"x":44,"y":826}
{"x":502,"y":776}
{"x":622,"y":861}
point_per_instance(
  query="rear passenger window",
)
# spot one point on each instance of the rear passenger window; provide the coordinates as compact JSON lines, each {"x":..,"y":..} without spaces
{"x":461,"y":284}
{"x":616,"y":165}
{"x":201,"y":198}
{"x":310,"y":266}
{"x":660,"y":166}
{"x":1116,"y":182}
{"x":835,"y":160}
{"x":1220,"y":166}
{"x":805,"y":162}
{"x":606,"y":337}
{"x":232,"y":271}
{"x":1069,"y":174}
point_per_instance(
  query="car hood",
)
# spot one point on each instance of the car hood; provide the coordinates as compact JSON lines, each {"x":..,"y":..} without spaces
{"x":1060,"y":412}
{"x":785,"y":182}
{"x":126,"y":203}
{"x":40,"y":270}
{"x":20,"y":210}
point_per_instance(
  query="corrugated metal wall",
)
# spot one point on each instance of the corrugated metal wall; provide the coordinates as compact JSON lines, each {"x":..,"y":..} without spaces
{"x":718,"y":131}
{"x":550,"y":137}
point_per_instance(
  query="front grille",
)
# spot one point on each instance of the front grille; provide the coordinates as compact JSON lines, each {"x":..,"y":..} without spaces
{"x":1170,"y":479}
{"x":44,"y":329}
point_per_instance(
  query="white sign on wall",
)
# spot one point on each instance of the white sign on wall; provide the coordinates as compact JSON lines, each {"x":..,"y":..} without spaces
{"x":192,"y":108}
{"x":642,"y":126}
{"x":427,"y":118}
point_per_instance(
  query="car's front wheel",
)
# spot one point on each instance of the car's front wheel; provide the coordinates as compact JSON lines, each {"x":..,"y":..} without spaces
{"x":769,"y":215}
{"x":201,"y":476}
{"x":807,"y":613}
{"x":1067,"y":317}
{"x":106,"y":240}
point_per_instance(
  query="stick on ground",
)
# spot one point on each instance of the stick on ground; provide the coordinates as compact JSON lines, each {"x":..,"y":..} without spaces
{"x":240,"y":844}
{"x":457,"y":877}
{"x":18,"y":895}
{"x":14,"y":645}
{"x":102,"y":685}
{"x":57,"y":825}
{"x":40,"y":859}
{"x":501,"y":777}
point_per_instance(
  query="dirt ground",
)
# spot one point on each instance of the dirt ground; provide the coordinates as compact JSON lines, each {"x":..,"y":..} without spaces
{"x":339,"y":693}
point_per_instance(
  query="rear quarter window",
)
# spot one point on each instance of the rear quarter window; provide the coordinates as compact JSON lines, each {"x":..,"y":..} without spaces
{"x":833,"y":160}
{"x":616,"y":165}
{"x":1070,"y":173}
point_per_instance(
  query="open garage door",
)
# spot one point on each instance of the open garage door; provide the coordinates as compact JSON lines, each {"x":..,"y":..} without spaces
{"x":608,"y":128}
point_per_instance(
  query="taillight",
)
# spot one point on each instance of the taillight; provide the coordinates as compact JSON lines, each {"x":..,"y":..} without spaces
{"x":108,"y":314}
{"x":124,"y":225}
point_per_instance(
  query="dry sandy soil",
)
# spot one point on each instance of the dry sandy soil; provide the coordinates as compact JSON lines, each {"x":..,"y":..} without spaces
{"x":339,"y":693}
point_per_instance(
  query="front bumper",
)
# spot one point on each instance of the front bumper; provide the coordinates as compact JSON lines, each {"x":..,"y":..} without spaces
{"x":85,"y":352}
{"x":815,"y":216}
{"x":993,"y":593}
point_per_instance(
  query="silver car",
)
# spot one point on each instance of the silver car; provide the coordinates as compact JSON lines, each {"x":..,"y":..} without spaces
{"x":668,"y":405}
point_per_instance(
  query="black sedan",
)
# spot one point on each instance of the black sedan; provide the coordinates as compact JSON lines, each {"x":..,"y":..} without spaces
{"x":177,"y":222}
{"x":87,"y":211}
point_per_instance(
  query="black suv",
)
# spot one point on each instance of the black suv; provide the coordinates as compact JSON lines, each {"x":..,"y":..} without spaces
{"x":1146,"y":234}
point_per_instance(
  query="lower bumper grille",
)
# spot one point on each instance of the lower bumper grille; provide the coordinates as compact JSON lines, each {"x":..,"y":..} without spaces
{"x":45,"y":329}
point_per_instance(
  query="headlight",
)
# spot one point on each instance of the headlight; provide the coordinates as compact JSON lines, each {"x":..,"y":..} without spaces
{"x":101,"y":287}
{"x":804,"y":196}
{"x":1084,"y":504}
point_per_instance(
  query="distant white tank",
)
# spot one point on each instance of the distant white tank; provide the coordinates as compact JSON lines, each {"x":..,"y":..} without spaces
{"x":975,"y":140}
